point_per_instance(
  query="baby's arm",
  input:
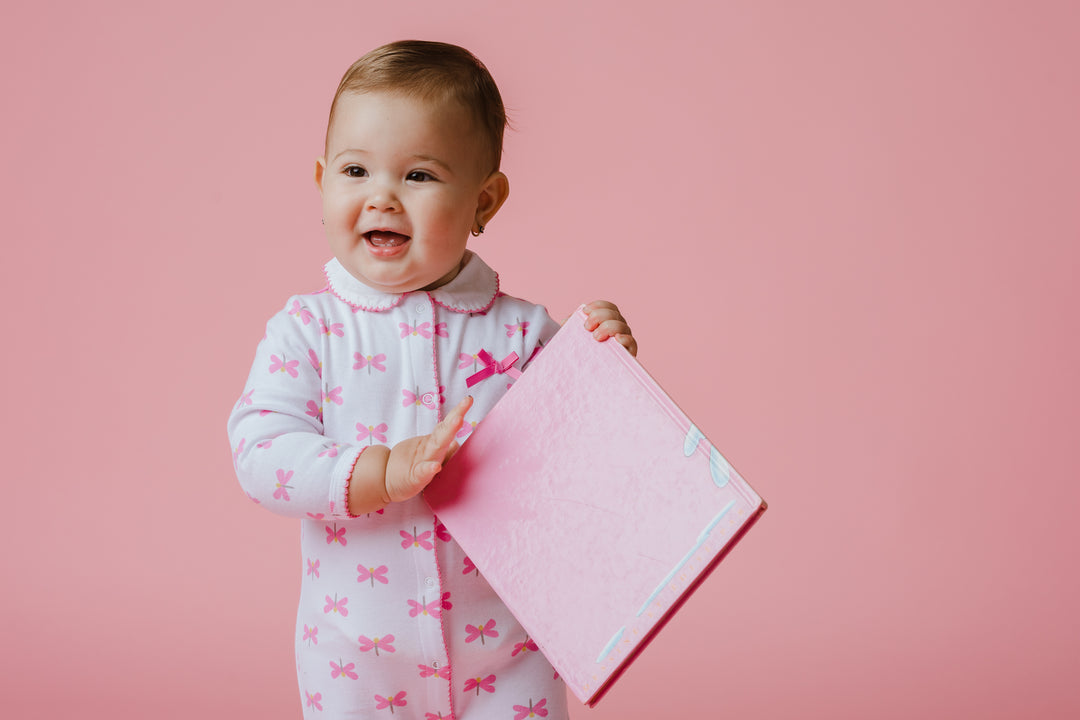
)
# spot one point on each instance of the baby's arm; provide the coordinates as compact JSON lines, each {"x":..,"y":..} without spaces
{"x":384,"y":475}
{"x":604,"y":321}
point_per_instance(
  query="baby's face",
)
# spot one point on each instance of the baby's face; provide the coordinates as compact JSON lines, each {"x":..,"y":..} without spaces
{"x":402,"y":185}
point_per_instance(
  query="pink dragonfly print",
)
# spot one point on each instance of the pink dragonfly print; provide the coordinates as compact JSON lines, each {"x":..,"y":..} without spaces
{"x":314,"y":701}
{"x":311,"y":634}
{"x":336,"y":535}
{"x":537,"y":710}
{"x":446,"y":604}
{"x":390,"y":702}
{"x":528,"y":645}
{"x":372,"y":574}
{"x":466,"y":429}
{"x":423,"y":330}
{"x":465,"y":360}
{"x":427,"y":671}
{"x":282,"y":487}
{"x":487,"y":684}
{"x":368,"y":644}
{"x":245,"y":399}
{"x":371,"y":433}
{"x":519,"y":327}
{"x":440,"y":330}
{"x":280,"y":364}
{"x":331,"y":450}
{"x":313,"y":568}
{"x":437,"y":716}
{"x":301,"y":311}
{"x":332,"y":328}
{"x":333,"y":396}
{"x":337,"y":606}
{"x":414,"y":541}
{"x":369,"y":361}
{"x":316,"y":516}
{"x":441,"y":532}
{"x":470,"y":568}
{"x":431,"y":609}
{"x":415,"y":398}
{"x":340,"y":669}
{"x":315,"y":362}
{"x":481,"y":631}
{"x":238,"y":451}
{"x":265,"y":444}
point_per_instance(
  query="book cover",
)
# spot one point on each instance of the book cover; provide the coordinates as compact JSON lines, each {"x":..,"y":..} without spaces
{"x":592,"y":505}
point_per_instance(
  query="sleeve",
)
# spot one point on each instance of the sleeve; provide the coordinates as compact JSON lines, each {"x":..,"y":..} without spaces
{"x":545,"y":329}
{"x":282,"y":458}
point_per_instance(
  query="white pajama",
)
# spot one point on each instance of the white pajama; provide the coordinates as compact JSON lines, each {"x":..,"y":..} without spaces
{"x":393,"y":619}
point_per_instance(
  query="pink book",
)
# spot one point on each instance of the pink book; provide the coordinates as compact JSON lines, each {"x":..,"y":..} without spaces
{"x":592,"y":505}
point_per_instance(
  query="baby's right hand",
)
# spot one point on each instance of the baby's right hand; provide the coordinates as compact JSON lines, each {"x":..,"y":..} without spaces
{"x":415,"y":462}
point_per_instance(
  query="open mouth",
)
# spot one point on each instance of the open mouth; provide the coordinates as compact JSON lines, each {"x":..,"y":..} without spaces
{"x":385,"y":238}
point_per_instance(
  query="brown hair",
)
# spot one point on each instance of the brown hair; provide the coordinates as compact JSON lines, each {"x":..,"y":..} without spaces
{"x":431,"y":71}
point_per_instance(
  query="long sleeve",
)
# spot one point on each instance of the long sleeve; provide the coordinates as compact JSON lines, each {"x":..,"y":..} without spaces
{"x":283,"y":459}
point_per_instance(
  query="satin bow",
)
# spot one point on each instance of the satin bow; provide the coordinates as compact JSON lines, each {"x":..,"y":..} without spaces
{"x":492,"y":367}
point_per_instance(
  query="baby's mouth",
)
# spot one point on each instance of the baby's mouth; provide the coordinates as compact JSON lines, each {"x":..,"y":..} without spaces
{"x":385,"y":238}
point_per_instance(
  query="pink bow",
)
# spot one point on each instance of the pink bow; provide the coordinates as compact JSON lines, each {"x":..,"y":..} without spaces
{"x":491,"y":367}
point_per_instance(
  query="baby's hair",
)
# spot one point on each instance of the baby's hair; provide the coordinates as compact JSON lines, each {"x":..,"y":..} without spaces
{"x":435,"y":72}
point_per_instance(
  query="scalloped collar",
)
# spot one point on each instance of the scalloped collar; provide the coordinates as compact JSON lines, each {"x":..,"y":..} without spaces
{"x":472,"y":290}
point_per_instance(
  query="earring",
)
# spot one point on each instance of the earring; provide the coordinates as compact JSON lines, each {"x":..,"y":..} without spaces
{"x":479,"y":232}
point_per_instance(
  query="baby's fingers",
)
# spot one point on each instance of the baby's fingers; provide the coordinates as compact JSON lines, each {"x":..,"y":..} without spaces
{"x":600,"y":311}
{"x":442,"y":437}
{"x":605,"y":321}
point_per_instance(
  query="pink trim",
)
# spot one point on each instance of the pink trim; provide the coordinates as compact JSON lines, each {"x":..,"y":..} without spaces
{"x":442,"y":627}
{"x":483,"y":309}
{"x":401,"y":298}
{"x":330,"y":289}
{"x":348,"y":481}
{"x":435,"y":361}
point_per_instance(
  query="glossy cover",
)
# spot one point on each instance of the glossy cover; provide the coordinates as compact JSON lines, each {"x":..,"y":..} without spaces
{"x":592,"y":505}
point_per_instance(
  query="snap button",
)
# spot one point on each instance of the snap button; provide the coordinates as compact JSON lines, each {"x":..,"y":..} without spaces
{"x":435,"y":664}
{"x":430,"y":582}
{"x":419,"y":309}
{"x":428,"y":398}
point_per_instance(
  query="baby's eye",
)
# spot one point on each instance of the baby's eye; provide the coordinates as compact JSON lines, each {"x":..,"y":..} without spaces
{"x":354,"y":171}
{"x":419,"y":176}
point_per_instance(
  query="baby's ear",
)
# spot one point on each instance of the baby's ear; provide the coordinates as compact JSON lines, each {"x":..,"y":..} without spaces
{"x":493,"y":194}
{"x":320,"y":168}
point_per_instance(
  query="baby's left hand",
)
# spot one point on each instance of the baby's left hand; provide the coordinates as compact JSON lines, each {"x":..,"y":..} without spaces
{"x":604,"y":321}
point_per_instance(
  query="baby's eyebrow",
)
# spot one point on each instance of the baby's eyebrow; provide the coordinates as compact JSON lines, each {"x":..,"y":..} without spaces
{"x":347,"y":151}
{"x":433,"y":159}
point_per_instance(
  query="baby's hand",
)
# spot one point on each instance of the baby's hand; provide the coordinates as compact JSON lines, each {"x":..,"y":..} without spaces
{"x":413,"y":463}
{"x":604,"y":320}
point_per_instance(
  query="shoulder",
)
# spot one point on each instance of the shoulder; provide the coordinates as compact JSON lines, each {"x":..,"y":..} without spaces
{"x":508,"y":303}
{"x":303,"y":313}
{"x":514,"y":315}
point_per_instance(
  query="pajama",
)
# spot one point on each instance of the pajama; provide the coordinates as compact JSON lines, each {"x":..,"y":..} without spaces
{"x":393,"y":619}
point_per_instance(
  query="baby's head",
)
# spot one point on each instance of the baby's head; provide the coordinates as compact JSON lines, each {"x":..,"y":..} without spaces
{"x":411,"y":164}
{"x":436,"y":73}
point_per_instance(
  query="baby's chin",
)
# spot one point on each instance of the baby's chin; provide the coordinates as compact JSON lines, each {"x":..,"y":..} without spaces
{"x":399,"y":286}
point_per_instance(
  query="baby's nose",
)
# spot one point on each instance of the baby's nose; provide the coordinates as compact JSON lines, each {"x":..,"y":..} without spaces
{"x":383,"y":199}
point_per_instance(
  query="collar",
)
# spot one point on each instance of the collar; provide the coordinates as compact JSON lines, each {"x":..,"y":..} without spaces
{"x":472,"y":290}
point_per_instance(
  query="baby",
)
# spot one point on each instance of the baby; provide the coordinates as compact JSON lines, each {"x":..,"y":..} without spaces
{"x":342,"y":421}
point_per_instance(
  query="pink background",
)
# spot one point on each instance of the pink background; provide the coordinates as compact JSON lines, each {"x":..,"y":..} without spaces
{"x":846,"y":238}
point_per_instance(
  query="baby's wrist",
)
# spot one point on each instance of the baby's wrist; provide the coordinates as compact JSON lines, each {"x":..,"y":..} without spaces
{"x":367,"y":485}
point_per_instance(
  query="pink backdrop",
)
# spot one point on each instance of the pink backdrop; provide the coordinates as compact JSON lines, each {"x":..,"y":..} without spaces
{"x":846,"y":238}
